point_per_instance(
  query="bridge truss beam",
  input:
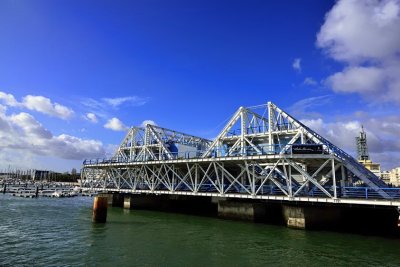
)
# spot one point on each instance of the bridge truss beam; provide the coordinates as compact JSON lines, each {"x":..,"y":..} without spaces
{"x":254,"y":155}
{"x":285,"y":176}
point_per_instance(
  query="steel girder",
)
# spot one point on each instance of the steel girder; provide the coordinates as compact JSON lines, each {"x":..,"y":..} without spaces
{"x":153,"y":142}
{"x":253,"y":155}
{"x":287,"y":176}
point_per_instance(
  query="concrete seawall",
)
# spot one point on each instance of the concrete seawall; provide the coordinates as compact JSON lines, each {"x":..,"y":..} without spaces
{"x":347,"y":218}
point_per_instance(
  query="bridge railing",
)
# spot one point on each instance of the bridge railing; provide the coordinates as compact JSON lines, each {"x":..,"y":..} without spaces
{"x":196,"y":154}
{"x":268,"y":190}
{"x":261,"y":129}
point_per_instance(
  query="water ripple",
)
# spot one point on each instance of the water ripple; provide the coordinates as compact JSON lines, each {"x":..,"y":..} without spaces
{"x":59,"y":232}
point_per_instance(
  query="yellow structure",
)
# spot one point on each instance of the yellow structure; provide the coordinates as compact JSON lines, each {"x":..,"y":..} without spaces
{"x":375,"y":168}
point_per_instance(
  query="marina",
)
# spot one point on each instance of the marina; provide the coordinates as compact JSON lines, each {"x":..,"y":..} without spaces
{"x":29,"y":189}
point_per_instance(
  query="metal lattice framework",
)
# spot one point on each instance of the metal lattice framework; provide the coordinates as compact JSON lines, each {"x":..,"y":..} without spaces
{"x":157,"y":143}
{"x":265,"y":156}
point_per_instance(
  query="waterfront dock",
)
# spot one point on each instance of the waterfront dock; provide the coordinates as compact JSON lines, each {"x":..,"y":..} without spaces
{"x":29,"y":189}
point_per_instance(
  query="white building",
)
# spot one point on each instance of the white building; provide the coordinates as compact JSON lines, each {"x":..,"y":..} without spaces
{"x":395,"y":176}
{"x":385,"y":176}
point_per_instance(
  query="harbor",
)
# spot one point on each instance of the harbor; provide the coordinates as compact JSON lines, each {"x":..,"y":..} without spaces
{"x":30,"y":189}
{"x":270,"y":169}
{"x":140,"y":237}
{"x":200,"y":133}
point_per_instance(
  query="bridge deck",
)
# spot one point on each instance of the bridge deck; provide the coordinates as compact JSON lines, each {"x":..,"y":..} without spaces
{"x":351,"y":201}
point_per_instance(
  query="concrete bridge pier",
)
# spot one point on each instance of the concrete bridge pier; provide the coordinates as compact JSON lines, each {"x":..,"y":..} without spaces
{"x":243,"y":210}
{"x":100,"y":205}
{"x":128,"y":202}
{"x":114,"y":199}
{"x":294,"y":216}
{"x":303,"y":216}
{"x":171,"y":203}
{"x":146,"y":202}
{"x":398,"y":220}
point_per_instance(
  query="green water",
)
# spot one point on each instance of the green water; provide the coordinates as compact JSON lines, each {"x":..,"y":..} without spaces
{"x":59,"y":232}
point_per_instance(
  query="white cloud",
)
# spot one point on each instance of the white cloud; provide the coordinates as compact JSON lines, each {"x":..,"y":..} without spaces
{"x":110,"y":150}
{"x":91,"y":117}
{"x":44,"y":105}
{"x":38,"y":103}
{"x":103,"y":106}
{"x":145,"y":122}
{"x":310,"y":81}
{"x":301,"y":108}
{"x":22,"y":134}
{"x":296,"y":65}
{"x":357,"y":79}
{"x":71,"y":147}
{"x":365,"y":35}
{"x":30,"y":127}
{"x":132,"y":100}
{"x":115,"y":124}
{"x":3,"y":110}
{"x":382,"y":136}
{"x":355,"y":30}
{"x":8,"y":99}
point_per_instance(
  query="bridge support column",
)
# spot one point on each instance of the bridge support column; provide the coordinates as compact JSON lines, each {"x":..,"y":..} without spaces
{"x":128,"y":202}
{"x":114,"y":199}
{"x":294,"y":216}
{"x":100,"y":206}
{"x":303,"y":216}
{"x":230,"y":209}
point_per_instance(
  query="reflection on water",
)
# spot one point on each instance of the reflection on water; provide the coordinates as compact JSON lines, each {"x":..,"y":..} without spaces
{"x":59,"y":232}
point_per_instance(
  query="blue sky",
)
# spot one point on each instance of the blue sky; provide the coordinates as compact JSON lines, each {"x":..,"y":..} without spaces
{"x":188,"y":65}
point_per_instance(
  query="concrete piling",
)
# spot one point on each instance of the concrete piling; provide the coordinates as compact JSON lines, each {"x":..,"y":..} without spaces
{"x":4,"y":188}
{"x":398,"y":220}
{"x":236,"y":210}
{"x":294,"y":216}
{"x":127,"y":202}
{"x":100,"y":206}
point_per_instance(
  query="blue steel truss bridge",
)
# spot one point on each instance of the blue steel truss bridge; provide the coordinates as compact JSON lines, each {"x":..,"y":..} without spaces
{"x":262,"y":153}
